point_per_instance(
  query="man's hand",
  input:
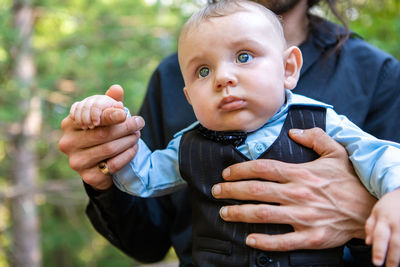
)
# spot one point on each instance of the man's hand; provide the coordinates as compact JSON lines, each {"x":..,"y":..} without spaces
{"x":115,"y":141}
{"x":323,"y":200}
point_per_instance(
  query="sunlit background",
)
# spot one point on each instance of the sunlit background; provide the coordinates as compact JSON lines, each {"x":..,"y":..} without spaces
{"x":70,"y":50}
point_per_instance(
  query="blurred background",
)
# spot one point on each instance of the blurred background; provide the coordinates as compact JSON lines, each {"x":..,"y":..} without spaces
{"x":55,"y":52}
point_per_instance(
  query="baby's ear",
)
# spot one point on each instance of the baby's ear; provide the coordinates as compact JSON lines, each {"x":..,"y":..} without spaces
{"x":293,"y":62}
{"x":187,"y":95}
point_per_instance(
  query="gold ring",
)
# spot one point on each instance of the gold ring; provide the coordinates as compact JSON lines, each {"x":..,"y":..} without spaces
{"x":104,"y":168}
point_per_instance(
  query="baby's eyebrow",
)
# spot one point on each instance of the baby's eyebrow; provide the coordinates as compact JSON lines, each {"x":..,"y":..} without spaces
{"x":246,"y":42}
{"x":195,"y":60}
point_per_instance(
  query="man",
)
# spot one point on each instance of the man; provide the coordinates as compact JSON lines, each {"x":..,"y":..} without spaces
{"x":348,"y":74}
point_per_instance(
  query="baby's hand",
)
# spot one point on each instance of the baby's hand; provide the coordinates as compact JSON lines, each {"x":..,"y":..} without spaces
{"x":383,"y":230}
{"x":87,"y":113}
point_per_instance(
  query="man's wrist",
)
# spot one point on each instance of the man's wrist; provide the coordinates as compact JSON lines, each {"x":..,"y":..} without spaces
{"x":106,"y":185}
{"x":96,"y":192}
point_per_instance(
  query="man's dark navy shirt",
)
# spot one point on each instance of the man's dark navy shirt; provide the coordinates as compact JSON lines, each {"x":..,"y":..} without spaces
{"x":359,"y":80}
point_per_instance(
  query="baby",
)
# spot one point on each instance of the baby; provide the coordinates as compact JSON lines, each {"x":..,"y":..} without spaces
{"x":238,"y":72}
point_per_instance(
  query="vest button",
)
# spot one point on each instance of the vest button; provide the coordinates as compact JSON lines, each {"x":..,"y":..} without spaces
{"x":263,"y":260}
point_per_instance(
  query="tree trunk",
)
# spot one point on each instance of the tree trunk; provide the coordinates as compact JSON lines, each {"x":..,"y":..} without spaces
{"x":26,"y":245}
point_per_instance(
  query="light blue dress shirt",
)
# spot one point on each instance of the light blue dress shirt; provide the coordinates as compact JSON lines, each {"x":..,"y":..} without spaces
{"x":376,"y":162}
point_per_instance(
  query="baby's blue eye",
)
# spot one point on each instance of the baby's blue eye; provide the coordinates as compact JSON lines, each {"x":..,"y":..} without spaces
{"x":244,"y":57}
{"x":203,"y":72}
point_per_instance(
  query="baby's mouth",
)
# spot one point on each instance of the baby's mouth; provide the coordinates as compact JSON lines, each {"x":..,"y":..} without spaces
{"x":231,"y":103}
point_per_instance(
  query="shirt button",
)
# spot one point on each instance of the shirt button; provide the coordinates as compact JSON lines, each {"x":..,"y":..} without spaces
{"x":259,"y":148}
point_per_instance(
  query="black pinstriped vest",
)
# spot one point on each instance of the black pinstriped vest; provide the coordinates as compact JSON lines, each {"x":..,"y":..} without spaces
{"x":220,"y":243}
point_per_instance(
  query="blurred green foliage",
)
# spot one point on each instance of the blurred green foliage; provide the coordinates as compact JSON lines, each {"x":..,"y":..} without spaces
{"x":378,"y":22}
{"x":81,"y":48}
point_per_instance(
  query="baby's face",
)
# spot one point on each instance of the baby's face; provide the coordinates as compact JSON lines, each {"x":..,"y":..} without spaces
{"x":233,"y":68}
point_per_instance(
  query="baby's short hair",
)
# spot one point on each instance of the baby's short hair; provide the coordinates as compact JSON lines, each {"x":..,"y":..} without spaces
{"x":227,"y":7}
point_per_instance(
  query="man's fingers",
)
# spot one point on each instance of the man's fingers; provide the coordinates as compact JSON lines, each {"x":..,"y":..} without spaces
{"x":317,"y":140}
{"x":283,"y":172}
{"x":100,"y":135}
{"x":116,"y":92}
{"x":262,"y":168}
{"x":284,"y":242}
{"x":91,"y":156}
{"x":112,"y":116}
{"x":119,"y":161}
{"x":261,"y":213}
{"x":69,"y":124}
{"x":262,"y":191}
{"x":95,"y":178}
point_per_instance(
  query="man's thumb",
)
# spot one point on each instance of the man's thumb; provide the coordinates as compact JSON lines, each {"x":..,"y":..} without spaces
{"x":317,"y":140}
{"x":111,"y":116}
{"x":116,"y":92}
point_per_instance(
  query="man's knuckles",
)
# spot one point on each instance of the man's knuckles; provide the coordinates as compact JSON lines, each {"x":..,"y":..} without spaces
{"x":317,"y":238}
{"x":314,"y":133}
{"x":66,"y":123}
{"x":75,"y":162}
{"x":101,"y":133}
{"x":96,"y":179}
{"x":63,"y":145}
{"x":263,"y":214}
{"x":108,"y":149}
{"x":301,"y":194}
{"x":255,"y":188}
{"x":260,"y":167}
{"x":66,"y":143}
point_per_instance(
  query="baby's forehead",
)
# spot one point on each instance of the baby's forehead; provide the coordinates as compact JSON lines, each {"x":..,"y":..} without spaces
{"x":208,"y":13}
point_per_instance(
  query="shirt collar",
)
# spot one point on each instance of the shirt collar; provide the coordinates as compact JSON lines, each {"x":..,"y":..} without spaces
{"x":295,"y":99}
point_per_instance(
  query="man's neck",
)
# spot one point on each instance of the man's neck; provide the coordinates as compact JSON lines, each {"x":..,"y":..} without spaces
{"x":295,"y":24}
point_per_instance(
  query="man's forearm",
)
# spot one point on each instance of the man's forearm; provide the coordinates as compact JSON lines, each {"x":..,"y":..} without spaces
{"x":126,"y":222}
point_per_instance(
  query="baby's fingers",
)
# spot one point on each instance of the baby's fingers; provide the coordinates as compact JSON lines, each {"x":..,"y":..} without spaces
{"x":393,"y":255}
{"x":381,"y":239}
{"x":100,"y":105}
{"x":76,"y":114}
{"x":87,"y":106}
{"x":80,"y":112}
{"x":73,"y":110}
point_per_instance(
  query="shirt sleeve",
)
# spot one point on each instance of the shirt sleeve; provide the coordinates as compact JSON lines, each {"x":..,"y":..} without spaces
{"x":151,"y":174}
{"x":376,"y":161}
{"x":383,"y":115}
